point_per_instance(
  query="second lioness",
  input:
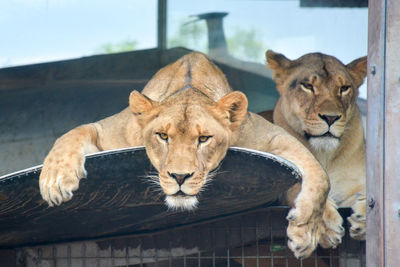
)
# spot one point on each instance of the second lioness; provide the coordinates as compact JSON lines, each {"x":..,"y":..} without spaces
{"x":317,"y":105}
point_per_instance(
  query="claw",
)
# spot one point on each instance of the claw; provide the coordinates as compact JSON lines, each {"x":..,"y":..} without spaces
{"x":356,"y":230}
{"x":57,"y":200}
{"x":305,"y":249}
{"x":291,"y":216}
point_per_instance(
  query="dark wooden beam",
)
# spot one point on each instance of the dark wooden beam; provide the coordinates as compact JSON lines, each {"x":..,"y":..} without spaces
{"x":383,"y":143}
{"x":334,"y":3}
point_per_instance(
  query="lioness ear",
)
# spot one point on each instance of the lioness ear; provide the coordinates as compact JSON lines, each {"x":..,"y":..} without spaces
{"x":235,"y":105}
{"x":276,"y":60}
{"x":358,"y":70}
{"x":139,"y":103}
{"x":279,"y":64}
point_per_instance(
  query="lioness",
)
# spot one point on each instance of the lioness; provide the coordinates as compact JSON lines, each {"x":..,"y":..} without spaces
{"x":317,"y":105}
{"x":187,"y":116}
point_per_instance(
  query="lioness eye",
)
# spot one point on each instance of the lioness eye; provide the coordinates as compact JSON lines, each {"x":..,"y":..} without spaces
{"x":308,"y":86}
{"x":203,"y":138}
{"x":163,"y":136}
{"x":344,"y":88}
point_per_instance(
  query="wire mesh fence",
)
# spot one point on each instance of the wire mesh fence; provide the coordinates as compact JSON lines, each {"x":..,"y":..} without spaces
{"x":256,"y":238}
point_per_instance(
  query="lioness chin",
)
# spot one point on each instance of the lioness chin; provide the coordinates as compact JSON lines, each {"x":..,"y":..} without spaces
{"x":187,"y":116}
{"x":317,"y":105}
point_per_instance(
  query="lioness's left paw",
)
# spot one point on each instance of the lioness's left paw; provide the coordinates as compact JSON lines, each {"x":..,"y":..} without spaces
{"x":332,"y":230}
{"x":358,"y":219}
{"x":303,"y":234}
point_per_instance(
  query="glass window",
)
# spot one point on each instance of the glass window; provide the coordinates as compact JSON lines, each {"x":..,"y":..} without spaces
{"x":48,"y":30}
{"x":251,"y":27}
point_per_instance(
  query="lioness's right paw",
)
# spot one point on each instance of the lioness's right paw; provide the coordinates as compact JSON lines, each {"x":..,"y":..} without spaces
{"x":60,"y":176}
{"x":302,"y":237}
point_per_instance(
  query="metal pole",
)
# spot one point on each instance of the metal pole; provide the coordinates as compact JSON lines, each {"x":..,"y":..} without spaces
{"x":383,"y":142}
{"x":162,"y":25}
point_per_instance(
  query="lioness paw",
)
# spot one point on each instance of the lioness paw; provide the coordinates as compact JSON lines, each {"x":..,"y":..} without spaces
{"x":60,"y":176}
{"x":358,"y":228}
{"x":302,"y":237}
{"x":332,"y":230}
{"x":358,"y":219}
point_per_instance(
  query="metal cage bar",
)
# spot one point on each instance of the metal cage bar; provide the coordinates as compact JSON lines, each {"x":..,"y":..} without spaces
{"x":252,"y":239}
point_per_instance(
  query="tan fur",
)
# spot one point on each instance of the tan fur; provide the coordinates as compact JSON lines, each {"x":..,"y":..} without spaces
{"x":184,"y":103}
{"x":301,"y":111}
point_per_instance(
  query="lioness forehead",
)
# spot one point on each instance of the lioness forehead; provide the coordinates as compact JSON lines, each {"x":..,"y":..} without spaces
{"x":319,"y":58}
{"x":320,"y":68}
{"x":320,"y":64}
{"x":186,"y":117}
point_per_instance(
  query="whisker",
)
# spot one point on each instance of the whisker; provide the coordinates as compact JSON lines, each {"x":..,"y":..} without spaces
{"x":210,"y":177}
{"x":152,"y":180}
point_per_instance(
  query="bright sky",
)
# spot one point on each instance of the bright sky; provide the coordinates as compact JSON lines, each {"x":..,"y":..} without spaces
{"x":45,"y":30}
{"x":35,"y":31}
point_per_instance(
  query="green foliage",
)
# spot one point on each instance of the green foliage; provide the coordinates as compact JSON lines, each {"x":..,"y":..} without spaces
{"x":191,"y":35}
{"x":246,"y":44}
{"x":124,"y":46}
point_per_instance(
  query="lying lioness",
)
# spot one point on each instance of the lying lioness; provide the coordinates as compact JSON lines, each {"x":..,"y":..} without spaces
{"x":187,"y":116}
{"x":317,"y":105}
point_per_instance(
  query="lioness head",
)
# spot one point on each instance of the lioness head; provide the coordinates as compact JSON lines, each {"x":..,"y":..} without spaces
{"x":318,"y":94}
{"x":186,"y":136}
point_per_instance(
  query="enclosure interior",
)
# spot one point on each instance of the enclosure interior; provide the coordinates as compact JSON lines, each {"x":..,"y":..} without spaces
{"x":64,"y":73}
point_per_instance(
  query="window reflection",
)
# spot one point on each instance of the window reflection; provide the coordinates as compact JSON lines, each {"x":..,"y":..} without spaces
{"x":239,"y":32}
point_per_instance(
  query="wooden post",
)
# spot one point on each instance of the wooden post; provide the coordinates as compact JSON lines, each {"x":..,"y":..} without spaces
{"x":383,"y":134}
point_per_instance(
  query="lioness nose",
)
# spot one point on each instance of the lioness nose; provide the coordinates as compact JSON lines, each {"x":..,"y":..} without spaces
{"x":329,"y":118}
{"x":180,"y":178}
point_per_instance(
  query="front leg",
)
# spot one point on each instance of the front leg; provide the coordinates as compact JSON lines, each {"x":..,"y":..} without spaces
{"x":358,"y":218}
{"x":306,"y":223}
{"x":64,"y":165}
